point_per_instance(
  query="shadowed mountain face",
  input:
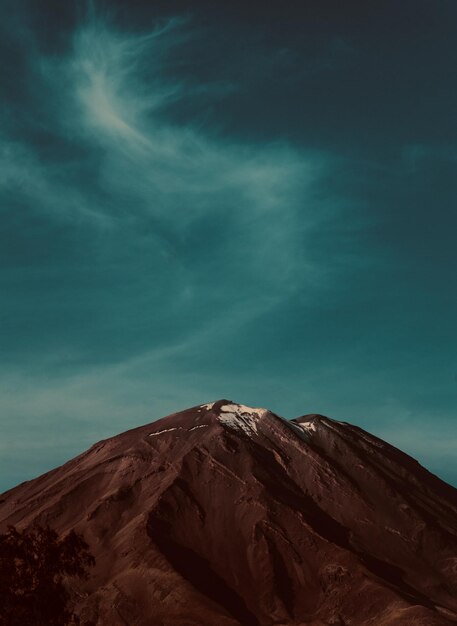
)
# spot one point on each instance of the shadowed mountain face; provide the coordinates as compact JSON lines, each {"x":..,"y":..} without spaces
{"x":226,"y":515}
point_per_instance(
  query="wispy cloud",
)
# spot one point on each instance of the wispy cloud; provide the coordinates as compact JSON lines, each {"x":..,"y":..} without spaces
{"x":239,"y":216}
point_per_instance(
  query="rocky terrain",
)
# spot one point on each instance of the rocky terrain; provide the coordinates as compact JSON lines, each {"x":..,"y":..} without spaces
{"x":223,"y":515}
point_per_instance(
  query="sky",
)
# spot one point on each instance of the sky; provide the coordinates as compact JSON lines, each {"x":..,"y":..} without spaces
{"x":203,"y":200}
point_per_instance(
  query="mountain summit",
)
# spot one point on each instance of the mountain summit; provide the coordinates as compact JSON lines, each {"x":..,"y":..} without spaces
{"x":223,"y":515}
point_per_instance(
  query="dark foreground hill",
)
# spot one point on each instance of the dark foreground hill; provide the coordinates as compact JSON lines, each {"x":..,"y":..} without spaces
{"x":224,"y":515}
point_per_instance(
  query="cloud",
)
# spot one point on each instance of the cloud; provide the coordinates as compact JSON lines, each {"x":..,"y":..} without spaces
{"x":108,"y":75}
{"x":237,"y":216}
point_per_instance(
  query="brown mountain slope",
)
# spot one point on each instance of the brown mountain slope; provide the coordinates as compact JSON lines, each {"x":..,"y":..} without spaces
{"x":224,"y":515}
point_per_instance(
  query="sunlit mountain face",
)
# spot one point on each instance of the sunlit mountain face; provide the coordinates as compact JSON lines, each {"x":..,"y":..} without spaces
{"x":247,"y":200}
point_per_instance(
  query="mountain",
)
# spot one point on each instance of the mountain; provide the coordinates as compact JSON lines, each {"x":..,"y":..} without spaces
{"x":223,"y":515}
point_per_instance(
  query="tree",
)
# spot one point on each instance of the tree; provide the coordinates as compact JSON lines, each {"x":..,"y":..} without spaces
{"x":33,"y":566}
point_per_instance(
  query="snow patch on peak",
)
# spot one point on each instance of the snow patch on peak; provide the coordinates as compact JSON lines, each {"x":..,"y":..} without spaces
{"x":242,"y":409}
{"x":240,"y":417}
{"x":208,"y":406}
{"x":309,"y":427}
{"x":159,"y":432}
{"x":242,"y":423}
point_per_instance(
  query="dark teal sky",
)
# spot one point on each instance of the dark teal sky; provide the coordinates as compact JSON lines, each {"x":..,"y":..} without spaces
{"x":250,"y":202}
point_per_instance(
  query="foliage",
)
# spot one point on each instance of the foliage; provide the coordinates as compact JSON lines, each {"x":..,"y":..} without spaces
{"x":34,"y":564}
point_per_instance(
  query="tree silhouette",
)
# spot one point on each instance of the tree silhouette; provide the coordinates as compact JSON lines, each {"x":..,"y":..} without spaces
{"x":33,"y":565}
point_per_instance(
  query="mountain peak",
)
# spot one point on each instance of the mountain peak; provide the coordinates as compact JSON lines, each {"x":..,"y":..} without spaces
{"x":229,"y":514}
{"x":312,"y":417}
{"x":311,"y":421}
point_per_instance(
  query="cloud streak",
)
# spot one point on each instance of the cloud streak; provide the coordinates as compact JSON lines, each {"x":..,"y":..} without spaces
{"x":235,"y":216}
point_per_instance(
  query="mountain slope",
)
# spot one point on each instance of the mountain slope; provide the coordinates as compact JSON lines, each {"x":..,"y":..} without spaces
{"x":223,"y":514}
